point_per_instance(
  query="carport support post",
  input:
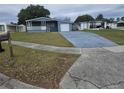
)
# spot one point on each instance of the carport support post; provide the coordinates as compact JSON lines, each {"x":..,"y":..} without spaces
{"x":10,"y":45}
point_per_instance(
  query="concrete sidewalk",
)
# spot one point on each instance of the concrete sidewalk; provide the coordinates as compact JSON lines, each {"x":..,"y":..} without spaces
{"x":9,"y":83}
{"x":70,"y":50}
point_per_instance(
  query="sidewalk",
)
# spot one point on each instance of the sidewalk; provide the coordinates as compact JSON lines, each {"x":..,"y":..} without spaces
{"x":48,"y":48}
{"x":9,"y":83}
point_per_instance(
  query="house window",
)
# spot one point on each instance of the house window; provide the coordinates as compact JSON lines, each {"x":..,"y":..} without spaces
{"x":36,"y":23}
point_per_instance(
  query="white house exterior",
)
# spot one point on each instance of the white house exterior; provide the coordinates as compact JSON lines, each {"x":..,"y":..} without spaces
{"x":44,"y":24}
{"x":91,"y":25}
{"x":84,"y":25}
{"x":11,"y":27}
{"x":112,"y":25}
{"x":96,"y":25}
{"x":21,"y":28}
{"x":120,"y":25}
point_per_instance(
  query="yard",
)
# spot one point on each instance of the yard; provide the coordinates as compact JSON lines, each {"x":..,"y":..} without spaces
{"x":48,"y":38}
{"x":114,"y":35}
{"x":40,"y":68}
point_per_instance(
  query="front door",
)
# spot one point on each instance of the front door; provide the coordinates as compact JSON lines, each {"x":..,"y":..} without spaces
{"x":52,"y":26}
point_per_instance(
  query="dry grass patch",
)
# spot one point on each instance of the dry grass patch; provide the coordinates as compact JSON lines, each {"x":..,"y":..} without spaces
{"x":36,"y":67}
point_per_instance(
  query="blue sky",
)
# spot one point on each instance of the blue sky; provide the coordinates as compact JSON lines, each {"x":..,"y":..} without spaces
{"x":8,"y":12}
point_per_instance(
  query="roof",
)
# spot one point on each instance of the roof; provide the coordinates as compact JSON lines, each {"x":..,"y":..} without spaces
{"x":114,"y":22}
{"x":10,"y":24}
{"x":120,"y":21}
{"x":91,"y":22}
{"x":49,"y":19}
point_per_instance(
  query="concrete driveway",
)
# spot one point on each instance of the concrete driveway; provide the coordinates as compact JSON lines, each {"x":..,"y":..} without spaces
{"x":87,"y":40}
{"x":99,"y":68}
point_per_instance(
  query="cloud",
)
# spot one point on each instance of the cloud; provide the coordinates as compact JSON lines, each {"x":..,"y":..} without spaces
{"x":8,"y":12}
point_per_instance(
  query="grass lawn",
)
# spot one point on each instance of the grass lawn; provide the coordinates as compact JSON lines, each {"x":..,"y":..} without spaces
{"x":114,"y":35}
{"x":47,"y":38}
{"x":40,"y":68}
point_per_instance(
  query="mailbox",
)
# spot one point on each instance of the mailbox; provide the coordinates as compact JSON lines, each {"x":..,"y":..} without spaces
{"x":5,"y":36}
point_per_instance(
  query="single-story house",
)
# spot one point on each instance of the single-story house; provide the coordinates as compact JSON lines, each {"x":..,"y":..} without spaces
{"x":120,"y":25}
{"x":112,"y":25}
{"x":11,"y":27}
{"x":96,"y":25}
{"x":44,"y":24}
{"x":91,"y":25}
{"x":21,"y":28}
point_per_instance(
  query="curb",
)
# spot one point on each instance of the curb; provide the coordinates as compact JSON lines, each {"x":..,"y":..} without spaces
{"x":9,"y":83}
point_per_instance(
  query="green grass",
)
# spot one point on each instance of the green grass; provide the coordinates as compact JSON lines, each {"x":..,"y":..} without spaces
{"x":48,"y":38}
{"x":114,"y":35}
{"x":40,"y":68}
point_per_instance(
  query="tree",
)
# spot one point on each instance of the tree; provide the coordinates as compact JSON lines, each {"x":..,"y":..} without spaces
{"x":111,"y":20}
{"x":106,"y":20}
{"x":32,"y":11}
{"x":84,"y":18}
{"x":100,"y":17}
{"x":118,"y":19}
{"x":122,"y":18}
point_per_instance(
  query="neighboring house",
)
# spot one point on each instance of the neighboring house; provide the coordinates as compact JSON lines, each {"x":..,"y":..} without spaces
{"x":44,"y":24}
{"x":21,"y":28}
{"x":120,"y":25}
{"x":112,"y":25}
{"x":96,"y":25}
{"x":91,"y":25}
{"x":11,"y":27}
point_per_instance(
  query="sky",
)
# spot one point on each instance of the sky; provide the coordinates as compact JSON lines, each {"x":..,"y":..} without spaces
{"x":9,"y":12}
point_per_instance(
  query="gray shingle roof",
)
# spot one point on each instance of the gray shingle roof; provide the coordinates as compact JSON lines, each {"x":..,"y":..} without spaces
{"x":49,"y":19}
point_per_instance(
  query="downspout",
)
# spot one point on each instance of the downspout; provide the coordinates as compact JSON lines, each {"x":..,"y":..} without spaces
{"x":5,"y":25}
{"x":26,"y":27}
{"x":40,"y":25}
{"x":46,"y":26}
{"x":58,"y":23}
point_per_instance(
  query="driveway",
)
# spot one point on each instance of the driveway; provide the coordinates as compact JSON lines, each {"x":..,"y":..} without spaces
{"x":87,"y":40}
{"x":99,"y":68}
